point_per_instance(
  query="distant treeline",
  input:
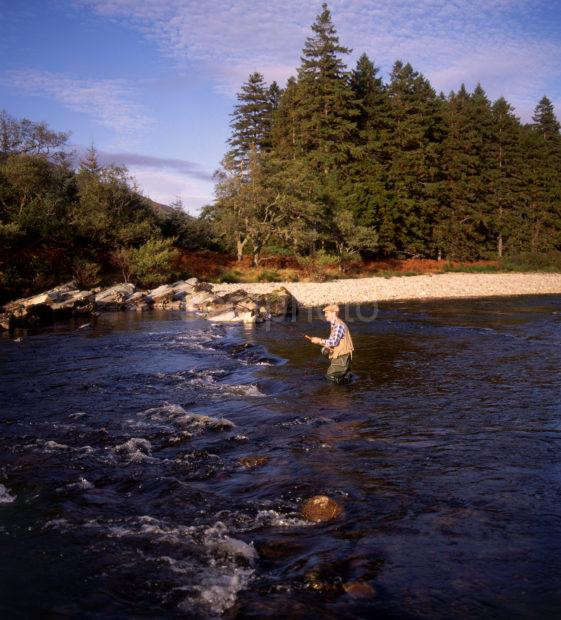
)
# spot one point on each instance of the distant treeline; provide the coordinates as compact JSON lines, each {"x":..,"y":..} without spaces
{"x":60,"y":221}
{"x":343,"y":163}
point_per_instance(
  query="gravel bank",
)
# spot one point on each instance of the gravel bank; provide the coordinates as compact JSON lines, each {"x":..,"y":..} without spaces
{"x":437,"y":286}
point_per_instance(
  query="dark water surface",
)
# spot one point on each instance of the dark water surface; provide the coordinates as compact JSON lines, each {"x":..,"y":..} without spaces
{"x":122,"y":494}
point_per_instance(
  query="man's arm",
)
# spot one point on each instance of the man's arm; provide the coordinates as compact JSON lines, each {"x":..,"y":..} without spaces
{"x":337,"y":332}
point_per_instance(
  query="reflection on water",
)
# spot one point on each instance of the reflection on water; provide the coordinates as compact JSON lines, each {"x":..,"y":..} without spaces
{"x":123,"y":491}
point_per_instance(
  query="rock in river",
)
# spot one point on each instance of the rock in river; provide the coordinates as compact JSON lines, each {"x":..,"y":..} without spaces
{"x":321,"y":508}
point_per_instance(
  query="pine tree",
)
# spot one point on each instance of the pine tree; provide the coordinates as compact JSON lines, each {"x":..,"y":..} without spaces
{"x":252,"y":118}
{"x":368,"y":181}
{"x":413,"y":144}
{"x":325,"y":109}
{"x":505,"y":161}
{"x":545,"y":121}
{"x":542,"y":181}
{"x":284,"y":122}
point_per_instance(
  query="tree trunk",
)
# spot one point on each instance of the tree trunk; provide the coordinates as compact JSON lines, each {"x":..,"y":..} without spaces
{"x":239,"y":247}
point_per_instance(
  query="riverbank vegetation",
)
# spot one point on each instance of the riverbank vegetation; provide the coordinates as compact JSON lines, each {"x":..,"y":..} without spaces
{"x":338,"y":173}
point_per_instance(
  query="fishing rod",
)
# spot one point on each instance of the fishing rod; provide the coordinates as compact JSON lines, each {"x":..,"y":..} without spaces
{"x":269,"y":317}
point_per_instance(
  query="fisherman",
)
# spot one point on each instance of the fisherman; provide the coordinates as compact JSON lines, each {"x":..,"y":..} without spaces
{"x":339,"y":346}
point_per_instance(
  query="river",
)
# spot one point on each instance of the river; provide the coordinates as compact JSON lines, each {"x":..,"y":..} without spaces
{"x":122,"y":493}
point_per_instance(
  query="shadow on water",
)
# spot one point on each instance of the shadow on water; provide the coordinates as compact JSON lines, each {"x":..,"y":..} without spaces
{"x":154,"y":466}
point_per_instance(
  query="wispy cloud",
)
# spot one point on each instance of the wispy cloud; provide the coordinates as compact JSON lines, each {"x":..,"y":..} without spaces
{"x":166,"y":186}
{"x":109,"y":103}
{"x":450,"y":41}
{"x":136,"y":160}
{"x":163,"y":179}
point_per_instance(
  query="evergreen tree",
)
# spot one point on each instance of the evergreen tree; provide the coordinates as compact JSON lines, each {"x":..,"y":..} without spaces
{"x":541,"y":213}
{"x":413,"y":145}
{"x":252,"y":118}
{"x":545,"y":121}
{"x":505,"y":163}
{"x":275,"y":94}
{"x":325,"y":110}
{"x":284,"y":122}
{"x":368,"y":181}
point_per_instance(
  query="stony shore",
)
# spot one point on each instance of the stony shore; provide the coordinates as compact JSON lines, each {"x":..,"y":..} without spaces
{"x":437,"y":286}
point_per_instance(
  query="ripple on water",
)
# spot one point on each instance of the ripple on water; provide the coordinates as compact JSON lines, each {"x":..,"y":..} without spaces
{"x":201,"y":568}
{"x":5,"y":496}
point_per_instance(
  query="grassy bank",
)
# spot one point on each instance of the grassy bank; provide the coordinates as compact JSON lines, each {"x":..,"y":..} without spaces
{"x":222,"y":268}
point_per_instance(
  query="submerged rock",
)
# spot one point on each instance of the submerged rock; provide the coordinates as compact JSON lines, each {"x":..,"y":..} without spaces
{"x":359,"y":589}
{"x":252,"y":462}
{"x":321,"y":508}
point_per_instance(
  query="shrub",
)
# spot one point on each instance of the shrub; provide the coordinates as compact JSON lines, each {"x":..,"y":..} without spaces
{"x":462,"y":268}
{"x":269,"y":276}
{"x":148,"y":265}
{"x":229,"y":277}
{"x":86,"y":273}
{"x":324,"y":259}
{"x":546,"y":261}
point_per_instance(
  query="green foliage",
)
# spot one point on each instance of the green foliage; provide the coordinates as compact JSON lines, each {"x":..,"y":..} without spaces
{"x":190,"y":233}
{"x":325,"y":259}
{"x":269,"y":276}
{"x":57,"y":222}
{"x":252,"y":118}
{"x":86,"y":273}
{"x":229,"y":277}
{"x":149,"y":264}
{"x":461,"y":268}
{"x":527,"y":261}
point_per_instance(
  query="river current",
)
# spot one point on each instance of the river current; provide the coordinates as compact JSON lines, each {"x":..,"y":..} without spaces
{"x":124,"y":492}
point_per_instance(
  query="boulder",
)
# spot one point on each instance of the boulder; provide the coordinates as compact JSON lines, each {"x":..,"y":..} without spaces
{"x":114,"y":298}
{"x":182,"y":288}
{"x":321,"y":508}
{"x":137,"y":301}
{"x":20,"y":305}
{"x":279,"y":302}
{"x":6,"y":321}
{"x":204,"y":286}
{"x":67,"y":287}
{"x":226,"y":302}
{"x":198,"y":301}
{"x":236,"y":306}
{"x":75,"y":302}
{"x":162,"y":295}
{"x":41,"y":308}
{"x":231,"y":316}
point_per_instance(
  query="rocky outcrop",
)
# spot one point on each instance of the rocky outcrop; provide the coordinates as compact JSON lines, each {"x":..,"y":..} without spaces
{"x":62,"y":301}
{"x":114,"y":297}
{"x":189,"y":295}
{"x":241,"y":306}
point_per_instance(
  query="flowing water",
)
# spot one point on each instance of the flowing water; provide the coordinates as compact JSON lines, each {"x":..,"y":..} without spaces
{"x":122,"y":493}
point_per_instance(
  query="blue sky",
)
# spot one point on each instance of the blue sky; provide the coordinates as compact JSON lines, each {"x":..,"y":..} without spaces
{"x":151,"y":84}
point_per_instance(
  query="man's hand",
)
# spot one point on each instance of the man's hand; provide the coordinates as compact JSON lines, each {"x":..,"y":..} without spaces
{"x":315,"y":339}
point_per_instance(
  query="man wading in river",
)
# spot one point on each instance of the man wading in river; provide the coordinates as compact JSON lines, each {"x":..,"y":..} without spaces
{"x":339,"y":345}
